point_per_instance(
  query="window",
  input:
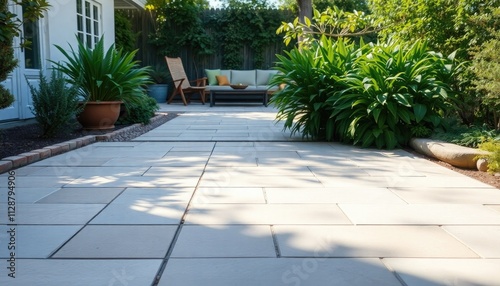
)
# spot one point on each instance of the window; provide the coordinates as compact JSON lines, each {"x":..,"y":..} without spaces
{"x":88,"y":21}
{"x":31,"y":37}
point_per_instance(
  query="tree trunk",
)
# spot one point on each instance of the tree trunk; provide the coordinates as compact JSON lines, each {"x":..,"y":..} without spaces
{"x":305,"y":9}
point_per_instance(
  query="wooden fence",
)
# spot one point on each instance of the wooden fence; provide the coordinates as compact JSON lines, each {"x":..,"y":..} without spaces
{"x":143,"y":25}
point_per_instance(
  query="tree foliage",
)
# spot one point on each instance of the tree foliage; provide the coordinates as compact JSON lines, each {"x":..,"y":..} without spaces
{"x":463,"y":26}
{"x":10,"y":26}
{"x":333,"y":22}
{"x":322,"y":5}
{"x":486,"y":68}
{"x":446,"y":24}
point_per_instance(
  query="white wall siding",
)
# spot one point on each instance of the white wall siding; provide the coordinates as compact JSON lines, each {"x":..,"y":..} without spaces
{"x":62,"y":23}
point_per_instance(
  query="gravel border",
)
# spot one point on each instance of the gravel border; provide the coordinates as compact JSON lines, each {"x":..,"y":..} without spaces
{"x":120,"y":135}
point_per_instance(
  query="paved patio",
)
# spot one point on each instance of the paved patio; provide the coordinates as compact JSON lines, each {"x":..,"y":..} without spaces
{"x":221,"y":196}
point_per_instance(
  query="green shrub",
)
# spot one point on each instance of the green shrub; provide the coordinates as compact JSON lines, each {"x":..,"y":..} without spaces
{"x":6,"y":98}
{"x":391,"y":89}
{"x":369,"y":95}
{"x":468,"y":136}
{"x":54,"y":103}
{"x":141,"y":111}
{"x":310,"y":76}
{"x":493,"y":146}
{"x":420,"y":131}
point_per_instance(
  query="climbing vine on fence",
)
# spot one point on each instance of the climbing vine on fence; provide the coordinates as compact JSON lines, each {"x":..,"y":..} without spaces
{"x":189,"y":26}
{"x":251,"y":24}
{"x":178,"y":25}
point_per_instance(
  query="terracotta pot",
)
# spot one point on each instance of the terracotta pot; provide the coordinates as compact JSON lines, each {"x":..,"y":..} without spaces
{"x":100,"y":114}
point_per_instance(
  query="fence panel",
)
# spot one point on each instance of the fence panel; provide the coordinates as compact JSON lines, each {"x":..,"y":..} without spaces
{"x":148,"y":55}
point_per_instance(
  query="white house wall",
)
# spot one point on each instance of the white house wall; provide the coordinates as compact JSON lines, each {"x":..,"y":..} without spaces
{"x":59,"y":26}
{"x":63,"y":26}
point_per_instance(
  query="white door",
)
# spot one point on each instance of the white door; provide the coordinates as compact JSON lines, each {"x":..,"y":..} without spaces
{"x":29,"y":66}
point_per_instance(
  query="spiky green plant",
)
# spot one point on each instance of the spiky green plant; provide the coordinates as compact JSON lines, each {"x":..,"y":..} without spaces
{"x":111,"y":75}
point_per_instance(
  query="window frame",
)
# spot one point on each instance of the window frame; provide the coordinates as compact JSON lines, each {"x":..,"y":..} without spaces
{"x":89,"y":21}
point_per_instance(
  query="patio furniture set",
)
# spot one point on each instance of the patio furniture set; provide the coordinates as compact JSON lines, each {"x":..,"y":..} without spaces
{"x":226,"y":85}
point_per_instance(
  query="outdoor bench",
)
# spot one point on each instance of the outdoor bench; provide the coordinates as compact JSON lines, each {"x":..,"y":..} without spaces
{"x":257,"y":82}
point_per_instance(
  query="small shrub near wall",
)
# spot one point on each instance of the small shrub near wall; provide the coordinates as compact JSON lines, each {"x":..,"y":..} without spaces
{"x":55,"y":104}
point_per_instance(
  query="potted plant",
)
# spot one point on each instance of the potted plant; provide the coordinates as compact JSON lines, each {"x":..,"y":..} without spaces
{"x":159,"y":89}
{"x":105,"y":79}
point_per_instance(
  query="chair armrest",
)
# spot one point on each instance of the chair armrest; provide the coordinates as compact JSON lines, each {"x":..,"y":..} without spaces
{"x":200,"y":81}
{"x":180,"y":82}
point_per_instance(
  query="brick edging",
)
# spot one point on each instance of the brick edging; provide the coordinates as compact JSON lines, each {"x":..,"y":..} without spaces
{"x":23,"y":159}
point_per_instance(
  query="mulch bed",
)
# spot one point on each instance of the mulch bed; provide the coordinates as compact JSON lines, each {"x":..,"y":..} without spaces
{"x":21,"y":139}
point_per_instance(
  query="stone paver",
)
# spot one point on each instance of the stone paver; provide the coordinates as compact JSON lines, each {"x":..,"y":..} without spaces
{"x":119,"y":241}
{"x":49,"y":214}
{"x":484,"y":240}
{"x":225,"y":241}
{"x":223,"y":196}
{"x":433,"y":272}
{"x":369,"y":241}
{"x":273,"y":271}
{"x":266,"y":214}
{"x":37,"y":241}
{"x":82,"y":196}
{"x":82,"y":272}
{"x":415,"y":214}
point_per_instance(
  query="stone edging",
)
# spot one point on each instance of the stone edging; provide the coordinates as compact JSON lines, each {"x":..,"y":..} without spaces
{"x":23,"y":159}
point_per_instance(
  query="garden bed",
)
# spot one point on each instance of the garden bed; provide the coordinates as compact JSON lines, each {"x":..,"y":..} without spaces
{"x":21,"y":139}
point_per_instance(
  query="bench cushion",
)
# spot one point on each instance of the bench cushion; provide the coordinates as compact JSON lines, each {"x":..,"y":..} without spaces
{"x":243,"y":77}
{"x":264,"y":76}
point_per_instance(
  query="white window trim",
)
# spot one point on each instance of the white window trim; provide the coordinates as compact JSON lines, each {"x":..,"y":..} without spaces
{"x":92,"y":21}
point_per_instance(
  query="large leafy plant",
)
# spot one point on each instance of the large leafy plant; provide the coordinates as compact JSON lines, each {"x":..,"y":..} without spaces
{"x":367,"y":94}
{"x":392,"y":89}
{"x":310,"y":76}
{"x":111,"y":75}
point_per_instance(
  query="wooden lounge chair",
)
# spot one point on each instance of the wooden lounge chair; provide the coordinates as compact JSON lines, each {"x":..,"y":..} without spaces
{"x":182,"y":85}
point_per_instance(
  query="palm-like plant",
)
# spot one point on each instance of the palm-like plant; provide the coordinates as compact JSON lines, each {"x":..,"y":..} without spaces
{"x":101,"y":75}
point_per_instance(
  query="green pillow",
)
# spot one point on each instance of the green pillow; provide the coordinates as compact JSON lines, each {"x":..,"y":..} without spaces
{"x":211,"y":75}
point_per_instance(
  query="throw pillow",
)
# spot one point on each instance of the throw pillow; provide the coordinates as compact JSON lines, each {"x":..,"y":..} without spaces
{"x":222,"y":79}
{"x":211,"y":76}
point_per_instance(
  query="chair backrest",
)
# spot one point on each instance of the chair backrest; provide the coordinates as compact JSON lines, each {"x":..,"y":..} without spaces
{"x":177,"y":71}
